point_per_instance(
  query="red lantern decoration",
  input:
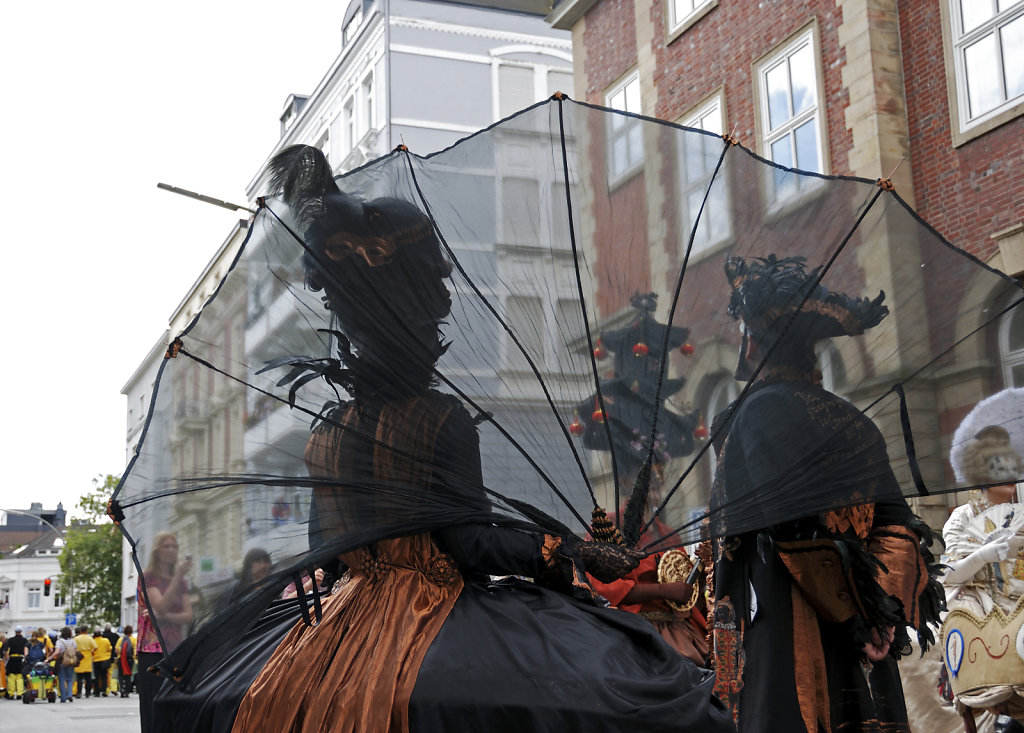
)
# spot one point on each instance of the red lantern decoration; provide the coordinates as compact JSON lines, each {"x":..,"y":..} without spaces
{"x":598,"y":415}
{"x":687,"y":349}
{"x":701,"y":431}
{"x":576,"y":427}
{"x":640,"y":350}
{"x":600,"y":352}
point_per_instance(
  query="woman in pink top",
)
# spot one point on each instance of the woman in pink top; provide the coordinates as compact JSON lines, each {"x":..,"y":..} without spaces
{"x":166,"y":597}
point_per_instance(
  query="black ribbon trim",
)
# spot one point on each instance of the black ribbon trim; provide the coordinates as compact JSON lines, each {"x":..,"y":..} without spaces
{"x":908,"y":441}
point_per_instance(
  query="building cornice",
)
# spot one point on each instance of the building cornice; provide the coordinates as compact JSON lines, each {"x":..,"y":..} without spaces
{"x":477,"y":32}
{"x":568,"y":12}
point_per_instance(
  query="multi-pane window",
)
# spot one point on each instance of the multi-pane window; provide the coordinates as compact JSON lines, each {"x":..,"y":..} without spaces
{"x":625,"y":137}
{"x":682,"y":11}
{"x":790,"y":111}
{"x":699,"y":155}
{"x":348,"y":121}
{"x":1011,"y":343}
{"x":367,"y":103}
{"x":515,"y":88}
{"x":988,"y":53}
{"x":521,"y":84}
{"x":352,"y":27}
{"x":35,"y":596}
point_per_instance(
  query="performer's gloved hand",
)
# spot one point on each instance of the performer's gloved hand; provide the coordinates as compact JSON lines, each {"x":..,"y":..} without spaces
{"x":963,"y":570}
{"x":878,"y":648}
{"x":607,"y":561}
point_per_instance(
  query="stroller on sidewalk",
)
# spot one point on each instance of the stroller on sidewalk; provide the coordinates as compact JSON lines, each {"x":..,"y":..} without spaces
{"x":41,"y":684}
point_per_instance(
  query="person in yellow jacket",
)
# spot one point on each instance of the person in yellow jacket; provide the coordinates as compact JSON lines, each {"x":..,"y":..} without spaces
{"x":101,"y":664}
{"x":83,"y":672}
{"x":47,"y":639}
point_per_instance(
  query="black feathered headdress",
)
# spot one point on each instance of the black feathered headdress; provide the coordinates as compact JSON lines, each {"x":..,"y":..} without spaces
{"x":768,"y":293}
{"x":380,"y":266}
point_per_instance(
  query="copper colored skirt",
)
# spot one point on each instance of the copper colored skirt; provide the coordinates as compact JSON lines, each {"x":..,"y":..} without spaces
{"x":508,"y":656}
{"x":355,"y":670}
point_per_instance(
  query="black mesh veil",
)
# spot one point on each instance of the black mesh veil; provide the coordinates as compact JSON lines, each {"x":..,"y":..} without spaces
{"x":587,"y":338}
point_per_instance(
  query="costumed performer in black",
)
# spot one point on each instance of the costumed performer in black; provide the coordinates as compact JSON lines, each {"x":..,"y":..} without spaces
{"x":813,"y":597}
{"x":414,"y":636}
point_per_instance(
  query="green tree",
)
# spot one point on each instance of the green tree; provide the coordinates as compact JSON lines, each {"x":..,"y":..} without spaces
{"x":90,"y":562}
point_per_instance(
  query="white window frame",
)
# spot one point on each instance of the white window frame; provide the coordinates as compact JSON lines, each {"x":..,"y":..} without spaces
{"x":349,"y":125}
{"x":621,"y":97}
{"x":965,"y":126}
{"x":766,"y":135}
{"x":560,"y":61}
{"x":711,"y":106}
{"x":34,"y":593}
{"x":501,"y":110}
{"x":351,"y":29}
{"x":1010,"y":359}
{"x":681,"y":14}
{"x":366,"y":115}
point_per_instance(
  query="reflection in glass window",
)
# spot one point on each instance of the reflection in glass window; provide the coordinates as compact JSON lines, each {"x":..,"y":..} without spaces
{"x":988,"y":52}
{"x":625,"y":140}
{"x":699,"y":157}
{"x":792,"y":118}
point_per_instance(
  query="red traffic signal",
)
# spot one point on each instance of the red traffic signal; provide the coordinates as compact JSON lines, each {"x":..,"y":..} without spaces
{"x":46,"y":586}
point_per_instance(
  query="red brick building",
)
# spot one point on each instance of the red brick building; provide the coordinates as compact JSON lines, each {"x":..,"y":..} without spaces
{"x":930,"y":89}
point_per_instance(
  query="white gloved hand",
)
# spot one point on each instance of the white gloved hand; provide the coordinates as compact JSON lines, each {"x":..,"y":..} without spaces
{"x":963,"y":570}
{"x":996,"y":551}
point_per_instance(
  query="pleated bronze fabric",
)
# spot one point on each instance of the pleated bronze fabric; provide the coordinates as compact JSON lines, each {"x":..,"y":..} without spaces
{"x":373,"y":636}
{"x":391,"y":603}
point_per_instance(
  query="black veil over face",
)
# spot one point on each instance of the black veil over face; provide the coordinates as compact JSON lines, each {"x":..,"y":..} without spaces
{"x":587,"y":333}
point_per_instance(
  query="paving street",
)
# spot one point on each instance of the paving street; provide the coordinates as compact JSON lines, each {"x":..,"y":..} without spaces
{"x":109,"y":714}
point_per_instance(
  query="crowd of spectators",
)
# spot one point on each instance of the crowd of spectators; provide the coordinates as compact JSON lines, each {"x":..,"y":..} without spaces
{"x":105,"y":661}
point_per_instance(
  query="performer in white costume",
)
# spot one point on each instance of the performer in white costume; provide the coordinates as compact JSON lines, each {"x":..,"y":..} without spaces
{"x":983,"y":635}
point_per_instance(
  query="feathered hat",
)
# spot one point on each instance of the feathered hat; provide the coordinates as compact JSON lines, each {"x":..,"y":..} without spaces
{"x":336,"y":226}
{"x":768,"y":293}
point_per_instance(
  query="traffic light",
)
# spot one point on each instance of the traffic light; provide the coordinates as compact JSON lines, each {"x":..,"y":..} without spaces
{"x":46,"y":586}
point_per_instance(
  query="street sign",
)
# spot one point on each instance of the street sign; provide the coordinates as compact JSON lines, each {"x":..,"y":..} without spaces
{"x":71,"y":619}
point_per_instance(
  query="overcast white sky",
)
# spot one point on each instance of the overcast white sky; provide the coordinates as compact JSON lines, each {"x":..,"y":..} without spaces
{"x":101,"y":101}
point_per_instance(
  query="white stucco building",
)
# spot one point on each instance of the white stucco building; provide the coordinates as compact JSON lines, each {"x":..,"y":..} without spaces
{"x":23,"y":575}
